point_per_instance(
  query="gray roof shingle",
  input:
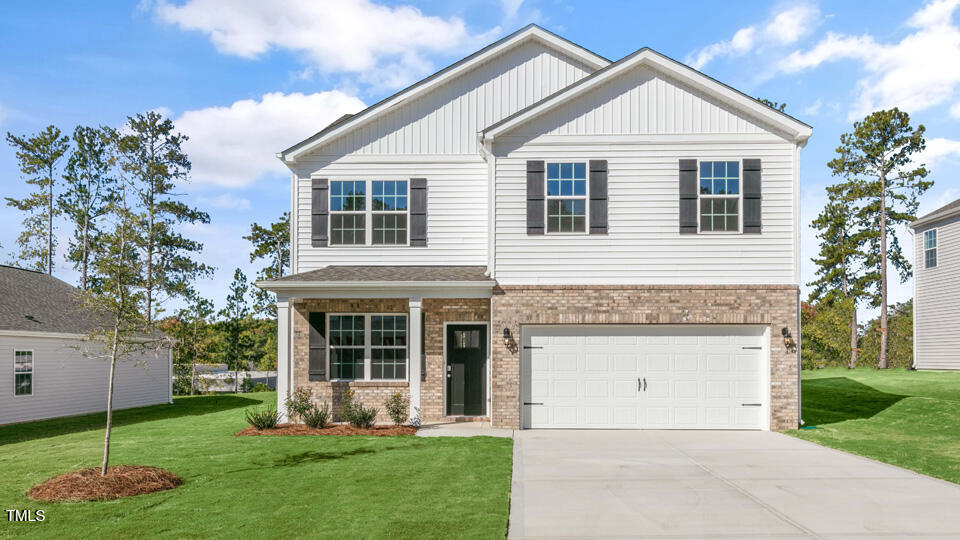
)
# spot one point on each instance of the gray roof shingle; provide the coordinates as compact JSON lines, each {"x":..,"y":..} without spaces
{"x":389,"y":274}
{"x":940,"y":213}
{"x":34,"y":301}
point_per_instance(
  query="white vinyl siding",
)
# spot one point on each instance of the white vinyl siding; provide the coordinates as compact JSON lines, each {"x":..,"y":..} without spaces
{"x":937,"y":300}
{"x":66,"y":383}
{"x":643,"y":244}
{"x":447,"y":119}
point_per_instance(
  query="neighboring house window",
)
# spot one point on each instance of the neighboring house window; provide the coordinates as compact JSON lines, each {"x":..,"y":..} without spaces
{"x":390,"y":212}
{"x":388,"y":340}
{"x":22,"y":373}
{"x":346,"y":346}
{"x":354,"y":222}
{"x":347,"y":213}
{"x":566,"y":197}
{"x":368,"y":347}
{"x":930,"y":248}
{"x":719,"y":196}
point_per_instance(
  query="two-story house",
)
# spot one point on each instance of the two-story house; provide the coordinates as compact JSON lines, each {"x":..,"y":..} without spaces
{"x":536,"y":236}
{"x":936,"y":295}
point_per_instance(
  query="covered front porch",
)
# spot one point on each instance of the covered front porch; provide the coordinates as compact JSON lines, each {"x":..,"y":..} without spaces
{"x":420,"y":331}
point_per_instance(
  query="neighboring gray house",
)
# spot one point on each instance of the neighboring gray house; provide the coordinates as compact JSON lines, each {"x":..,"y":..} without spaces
{"x":936,"y":288}
{"x":539,"y":237}
{"x":42,"y":327}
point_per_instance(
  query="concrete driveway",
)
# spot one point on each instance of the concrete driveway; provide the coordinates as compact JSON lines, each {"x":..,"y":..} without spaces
{"x":695,"y":484}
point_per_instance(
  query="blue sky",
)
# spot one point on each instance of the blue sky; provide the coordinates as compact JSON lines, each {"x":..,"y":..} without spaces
{"x":246,"y":79}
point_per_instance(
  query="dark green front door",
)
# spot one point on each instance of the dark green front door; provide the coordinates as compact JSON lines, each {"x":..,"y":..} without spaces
{"x":466,"y":369}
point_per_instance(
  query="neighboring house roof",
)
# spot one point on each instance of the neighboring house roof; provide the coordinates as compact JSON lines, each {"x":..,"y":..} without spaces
{"x":646,"y":56}
{"x":35,"y":302}
{"x":529,"y":32}
{"x":947,"y":211}
{"x":345,"y":274}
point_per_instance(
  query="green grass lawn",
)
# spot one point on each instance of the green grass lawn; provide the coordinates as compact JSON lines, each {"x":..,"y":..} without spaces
{"x":906,"y":418}
{"x":347,"y":487}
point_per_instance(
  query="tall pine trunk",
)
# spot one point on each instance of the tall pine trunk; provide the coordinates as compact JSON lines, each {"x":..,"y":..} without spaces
{"x":113,"y":367}
{"x":853,"y":337}
{"x":50,"y":223}
{"x":85,"y":250}
{"x":193,"y":361}
{"x":883,"y":271}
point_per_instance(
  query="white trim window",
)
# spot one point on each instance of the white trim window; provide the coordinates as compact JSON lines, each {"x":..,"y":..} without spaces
{"x":566,"y":198}
{"x":369,"y":212}
{"x":368,"y":347}
{"x":930,"y":248}
{"x":22,"y":373}
{"x":720,"y":196}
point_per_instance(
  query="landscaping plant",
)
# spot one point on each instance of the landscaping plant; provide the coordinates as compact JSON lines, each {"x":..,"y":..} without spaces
{"x":362,"y":417}
{"x":397,"y":407}
{"x":317,"y":417}
{"x":261,"y":419}
{"x":299,"y":403}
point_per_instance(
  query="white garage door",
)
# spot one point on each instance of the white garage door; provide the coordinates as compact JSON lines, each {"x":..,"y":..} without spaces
{"x":656,"y":377}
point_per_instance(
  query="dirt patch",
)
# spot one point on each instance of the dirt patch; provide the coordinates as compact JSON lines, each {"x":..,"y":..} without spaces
{"x":333,"y":429}
{"x":120,"y":481}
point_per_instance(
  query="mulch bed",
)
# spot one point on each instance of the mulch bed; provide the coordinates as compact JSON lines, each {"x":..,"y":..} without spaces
{"x":332,"y":429}
{"x":120,"y":481}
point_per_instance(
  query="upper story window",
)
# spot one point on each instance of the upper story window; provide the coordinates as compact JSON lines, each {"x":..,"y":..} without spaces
{"x":22,"y":373}
{"x":566,"y":197}
{"x":930,"y":248}
{"x":368,"y":347}
{"x":719,"y":196}
{"x":368,"y":212}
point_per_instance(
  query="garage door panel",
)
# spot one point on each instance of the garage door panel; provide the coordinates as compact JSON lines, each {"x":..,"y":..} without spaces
{"x":697,"y":377}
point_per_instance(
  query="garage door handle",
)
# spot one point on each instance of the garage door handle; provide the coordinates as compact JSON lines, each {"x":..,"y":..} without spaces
{"x":751,"y":404}
{"x":531,"y":403}
{"x":641,"y":386}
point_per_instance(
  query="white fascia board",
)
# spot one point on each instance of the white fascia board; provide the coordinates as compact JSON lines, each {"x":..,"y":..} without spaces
{"x":796,"y":129}
{"x":931,"y":219}
{"x":49,"y":335}
{"x":532,"y":32}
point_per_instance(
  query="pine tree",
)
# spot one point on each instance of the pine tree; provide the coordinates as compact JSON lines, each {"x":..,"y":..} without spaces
{"x":89,"y":188}
{"x":272,"y":243}
{"x":840,"y":262}
{"x":876,"y":163}
{"x":151,"y":155}
{"x":38,"y":156}
{"x":235,"y":315}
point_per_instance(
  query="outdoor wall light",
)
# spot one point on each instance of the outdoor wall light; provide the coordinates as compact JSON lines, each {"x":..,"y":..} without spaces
{"x":506,"y":337}
{"x":788,"y":340}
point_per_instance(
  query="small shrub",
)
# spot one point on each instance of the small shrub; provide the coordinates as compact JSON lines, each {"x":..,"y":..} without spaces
{"x":346,"y":406}
{"x":362,"y":417}
{"x":398,"y":408}
{"x":262,"y":419}
{"x":299,"y":403}
{"x":317,"y":417}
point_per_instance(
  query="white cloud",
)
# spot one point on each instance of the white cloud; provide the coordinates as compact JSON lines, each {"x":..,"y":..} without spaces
{"x":920,"y":71}
{"x":939,"y":150}
{"x":784,"y":28}
{"x":510,"y":7}
{"x":814,"y":108}
{"x":955,"y":110}
{"x":225,"y":200}
{"x":357,"y":36}
{"x":235,"y":145}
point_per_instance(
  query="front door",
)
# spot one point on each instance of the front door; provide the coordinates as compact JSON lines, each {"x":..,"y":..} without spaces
{"x":466,"y":369}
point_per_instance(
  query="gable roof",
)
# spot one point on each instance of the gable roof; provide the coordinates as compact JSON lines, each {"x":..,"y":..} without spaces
{"x":35,"y":302}
{"x":946,"y":211}
{"x":348,"y":122}
{"x":800,"y":131}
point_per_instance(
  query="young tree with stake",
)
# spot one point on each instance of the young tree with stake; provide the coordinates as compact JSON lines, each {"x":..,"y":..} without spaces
{"x":876,"y":163}
{"x":38,"y":156}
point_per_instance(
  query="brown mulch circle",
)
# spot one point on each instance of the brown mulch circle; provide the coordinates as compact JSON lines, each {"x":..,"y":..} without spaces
{"x":332,"y":429}
{"x":120,"y":481}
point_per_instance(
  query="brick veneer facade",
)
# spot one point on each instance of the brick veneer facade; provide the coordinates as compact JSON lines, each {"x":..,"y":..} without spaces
{"x":514,"y":306}
{"x":373,"y":393}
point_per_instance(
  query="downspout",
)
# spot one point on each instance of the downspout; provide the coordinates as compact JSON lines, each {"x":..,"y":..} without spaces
{"x":486,"y":152}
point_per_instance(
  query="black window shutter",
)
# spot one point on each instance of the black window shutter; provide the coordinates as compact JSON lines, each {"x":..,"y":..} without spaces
{"x":598,"y":196}
{"x":418,"y":212}
{"x":751,"y":196}
{"x":319,"y":212}
{"x":688,"y":196}
{"x":535,"y":189}
{"x":318,"y":346}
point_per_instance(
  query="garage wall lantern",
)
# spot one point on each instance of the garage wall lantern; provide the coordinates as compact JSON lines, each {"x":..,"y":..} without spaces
{"x":506,"y":336}
{"x":788,"y":340}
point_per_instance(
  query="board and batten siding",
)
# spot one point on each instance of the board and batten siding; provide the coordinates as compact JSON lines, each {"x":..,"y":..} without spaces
{"x":66,"y":383}
{"x":937,"y":302}
{"x":643,"y":245}
{"x":447,"y":119}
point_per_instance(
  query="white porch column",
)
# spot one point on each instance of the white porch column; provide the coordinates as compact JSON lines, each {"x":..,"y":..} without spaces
{"x":284,"y":360}
{"x":415,"y":346}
